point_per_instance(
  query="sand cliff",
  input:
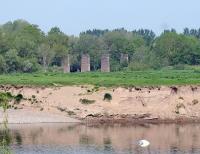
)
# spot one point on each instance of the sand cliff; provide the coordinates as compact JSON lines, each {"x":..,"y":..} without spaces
{"x":133,"y":103}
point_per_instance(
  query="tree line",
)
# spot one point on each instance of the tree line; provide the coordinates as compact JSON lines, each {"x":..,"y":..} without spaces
{"x":24,"y":47}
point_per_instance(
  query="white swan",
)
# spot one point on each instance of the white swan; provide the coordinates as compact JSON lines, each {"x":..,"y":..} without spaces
{"x":143,"y":143}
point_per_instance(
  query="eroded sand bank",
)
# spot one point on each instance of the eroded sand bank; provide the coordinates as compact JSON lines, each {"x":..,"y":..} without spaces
{"x":134,"y":103}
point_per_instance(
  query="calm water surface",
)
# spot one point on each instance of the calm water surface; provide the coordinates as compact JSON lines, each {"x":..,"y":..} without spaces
{"x":117,"y":139}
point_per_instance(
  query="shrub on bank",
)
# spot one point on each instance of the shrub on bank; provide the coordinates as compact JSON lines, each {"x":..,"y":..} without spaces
{"x":107,"y":97}
{"x":8,"y":97}
{"x":18,"y":98}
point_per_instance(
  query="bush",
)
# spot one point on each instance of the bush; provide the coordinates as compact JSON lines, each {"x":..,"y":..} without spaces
{"x":124,"y":64}
{"x":9,"y":95}
{"x":179,"y":67}
{"x":18,"y":98}
{"x":135,"y":66}
{"x":107,"y":97}
{"x":87,"y":101}
{"x":55,"y":69}
{"x":30,"y":65}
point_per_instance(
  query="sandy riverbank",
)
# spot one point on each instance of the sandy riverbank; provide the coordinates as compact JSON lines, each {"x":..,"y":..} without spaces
{"x":57,"y":104}
{"x":25,"y":116}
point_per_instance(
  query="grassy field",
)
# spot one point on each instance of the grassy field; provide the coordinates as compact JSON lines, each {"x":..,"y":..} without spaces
{"x":138,"y":78}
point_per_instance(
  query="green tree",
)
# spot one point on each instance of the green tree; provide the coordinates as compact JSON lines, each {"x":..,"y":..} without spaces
{"x":27,"y":41}
{"x":177,"y":49}
{"x":2,"y":64}
{"x":12,"y":61}
{"x":4,"y":42}
{"x":58,"y":42}
{"x":46,"y":55}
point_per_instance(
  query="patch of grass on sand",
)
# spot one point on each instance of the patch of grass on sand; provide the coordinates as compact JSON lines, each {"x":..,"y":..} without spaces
{"x":87,"y":101}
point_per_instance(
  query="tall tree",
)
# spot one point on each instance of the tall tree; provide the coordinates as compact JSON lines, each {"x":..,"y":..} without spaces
{"x":58,"y":42}
{"x":46,"y":55}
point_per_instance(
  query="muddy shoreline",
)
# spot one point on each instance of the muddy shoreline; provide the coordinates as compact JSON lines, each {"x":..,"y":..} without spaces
{"x":111,"y":121}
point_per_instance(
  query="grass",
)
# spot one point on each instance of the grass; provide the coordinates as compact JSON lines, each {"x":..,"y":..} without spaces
{"x":136,"y":78}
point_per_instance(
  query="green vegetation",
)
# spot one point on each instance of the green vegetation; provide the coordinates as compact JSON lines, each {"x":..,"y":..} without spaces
{"x":86,"y":101}
{"x":137,"y":78}
{"x":5,"y":138}
{"x":168,"y":59}
{"x":6,"y":97}
{"x":18,"y":98}
{"x":107,"y":97}
{"x":24,"y":47}
{"x":94,"y":89}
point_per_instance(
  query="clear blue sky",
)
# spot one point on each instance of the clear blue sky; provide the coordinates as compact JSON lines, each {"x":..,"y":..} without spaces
{"x":74,"y":16}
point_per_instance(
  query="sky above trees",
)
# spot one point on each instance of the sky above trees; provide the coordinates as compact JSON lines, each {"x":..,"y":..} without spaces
{"x":75,"y":16}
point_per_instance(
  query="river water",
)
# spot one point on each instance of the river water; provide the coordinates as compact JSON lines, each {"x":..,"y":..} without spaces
{"x":115,"y":139}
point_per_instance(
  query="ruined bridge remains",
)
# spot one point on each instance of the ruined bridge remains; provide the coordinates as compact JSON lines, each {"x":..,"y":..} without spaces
{"x":85,"y":62}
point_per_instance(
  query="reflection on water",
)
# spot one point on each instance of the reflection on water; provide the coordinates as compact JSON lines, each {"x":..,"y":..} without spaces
{"x":5,"y":141}
{"x":81,"y":139}
{"x":5,"y":137}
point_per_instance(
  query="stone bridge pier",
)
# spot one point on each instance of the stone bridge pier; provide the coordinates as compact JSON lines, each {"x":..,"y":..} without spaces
{"x":85,"y":63}
{"x":66,"y":64}
{"x":105,"y":63}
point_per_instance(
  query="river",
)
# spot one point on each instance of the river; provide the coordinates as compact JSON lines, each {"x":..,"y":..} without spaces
{"x":114,"y":139}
